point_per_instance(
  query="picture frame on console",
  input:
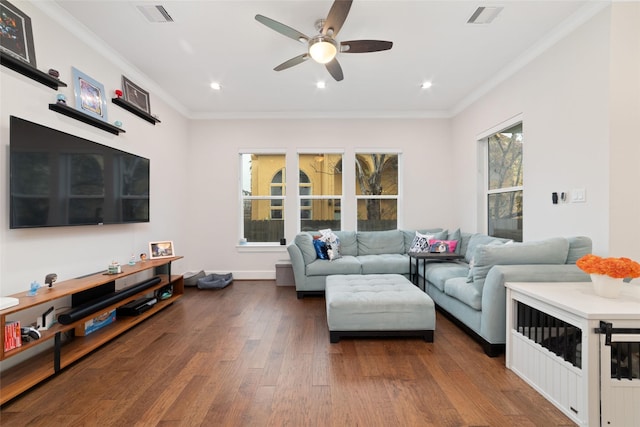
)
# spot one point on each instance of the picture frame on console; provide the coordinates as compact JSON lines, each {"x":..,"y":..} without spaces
{"x":135,"y":95}
{"x":16,"y":35}
{"x":90,"y":96}
{"x":161,"y":249}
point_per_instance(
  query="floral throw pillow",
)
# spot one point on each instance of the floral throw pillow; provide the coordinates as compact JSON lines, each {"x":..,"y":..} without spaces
{"x":420,"y":242}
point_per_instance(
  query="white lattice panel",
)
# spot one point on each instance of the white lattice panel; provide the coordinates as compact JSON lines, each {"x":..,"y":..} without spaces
{"x":559,"y":381}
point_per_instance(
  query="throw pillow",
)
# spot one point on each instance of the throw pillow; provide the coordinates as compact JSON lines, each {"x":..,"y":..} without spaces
{"x":332,"y":243}
{"x":447,"y":245}
{"x":420,"y":242}
{"x":333,"y":250}
{"x":321,"y":249}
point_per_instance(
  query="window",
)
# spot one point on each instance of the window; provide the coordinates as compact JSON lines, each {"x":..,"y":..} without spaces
{"x":263,"y":195}
{"x":320,"y":191}
{"x":504,"y":189}
{"x":376,"y":176}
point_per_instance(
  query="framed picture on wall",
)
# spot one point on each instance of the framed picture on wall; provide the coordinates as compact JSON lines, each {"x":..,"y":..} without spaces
{"x":16,"y":36}
{"x":162,"y":249}
{"x":89,"y":94}
{"x":135,"y":95}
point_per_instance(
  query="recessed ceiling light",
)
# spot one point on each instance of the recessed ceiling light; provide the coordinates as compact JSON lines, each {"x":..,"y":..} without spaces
{"x":321,"y":85}
{"x":215,"y":86}
{"x":425,"y":85}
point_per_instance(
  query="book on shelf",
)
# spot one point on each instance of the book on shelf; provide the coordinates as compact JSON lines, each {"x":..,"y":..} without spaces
{"x":12,"y":335}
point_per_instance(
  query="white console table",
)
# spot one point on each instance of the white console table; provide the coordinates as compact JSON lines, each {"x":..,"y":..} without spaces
{"x":553,"y":344}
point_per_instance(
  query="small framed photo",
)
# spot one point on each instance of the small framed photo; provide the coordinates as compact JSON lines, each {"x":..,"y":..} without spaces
{"x":16,"y":36}
{"x":135,"y":95}
{"x":162,"y":249}
{"x":90,"y":96}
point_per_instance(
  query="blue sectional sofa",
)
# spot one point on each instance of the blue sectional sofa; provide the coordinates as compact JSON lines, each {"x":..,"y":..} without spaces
{"x":470,"y":291}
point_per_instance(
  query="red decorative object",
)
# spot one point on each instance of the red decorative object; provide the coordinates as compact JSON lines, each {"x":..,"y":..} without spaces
{"x":118,"y":93}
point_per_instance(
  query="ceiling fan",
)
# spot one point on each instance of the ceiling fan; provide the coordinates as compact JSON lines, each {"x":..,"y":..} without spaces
{"x":323,"y":47}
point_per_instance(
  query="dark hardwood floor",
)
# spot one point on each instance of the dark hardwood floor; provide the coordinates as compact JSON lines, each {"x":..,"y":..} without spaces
{"x":253,"y":355}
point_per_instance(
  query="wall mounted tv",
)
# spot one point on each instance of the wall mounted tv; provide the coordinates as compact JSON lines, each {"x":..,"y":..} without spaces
{"x":58,"y":179}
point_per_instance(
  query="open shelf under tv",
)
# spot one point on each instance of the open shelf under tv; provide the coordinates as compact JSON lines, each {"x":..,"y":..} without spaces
{"x":61,"y":344}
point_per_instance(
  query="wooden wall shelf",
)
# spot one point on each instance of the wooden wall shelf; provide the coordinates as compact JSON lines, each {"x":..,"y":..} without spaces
{"x":79,"y":115}
{"x":31,"y":72}
{"x":135,"y":110}
{"x":23,"y":376}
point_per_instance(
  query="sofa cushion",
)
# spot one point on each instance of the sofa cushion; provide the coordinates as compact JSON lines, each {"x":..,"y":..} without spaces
{"x":549,"y":251}
{"x":463,"y":242}
{"x":579,"y":246}
{"x":348,"y":242}
{"x":459,"y":289}
{"x":474,"y":241}
{"x":384,"y":264}
{"x":346,"y":265}
{"x":305,"y":242}
{"x":439,"y":272}
{"x":380,"y":242}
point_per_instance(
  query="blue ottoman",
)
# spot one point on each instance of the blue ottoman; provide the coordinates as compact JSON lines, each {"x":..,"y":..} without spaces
{"x":377,"y":305}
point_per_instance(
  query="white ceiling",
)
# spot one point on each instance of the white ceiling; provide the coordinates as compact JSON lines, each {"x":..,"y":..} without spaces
{"x":220,"y":41}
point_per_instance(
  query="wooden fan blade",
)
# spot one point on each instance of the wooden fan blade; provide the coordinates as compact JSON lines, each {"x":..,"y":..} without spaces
{"x":282,"y":29}
{"x":293,"y":61}
{"x":336,"y":17}
{"x":334,"y":68}
{"x":361,"y":46}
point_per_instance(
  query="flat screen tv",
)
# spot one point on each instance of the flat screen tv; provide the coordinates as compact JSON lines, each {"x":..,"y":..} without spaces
{"x":58,"y":179}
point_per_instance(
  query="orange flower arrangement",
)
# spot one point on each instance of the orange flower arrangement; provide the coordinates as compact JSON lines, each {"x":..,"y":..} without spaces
{"x":619,"y":268}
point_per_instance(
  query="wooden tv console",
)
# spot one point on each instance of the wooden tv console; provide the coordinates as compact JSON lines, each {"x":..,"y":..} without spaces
{"x":67,"y":345}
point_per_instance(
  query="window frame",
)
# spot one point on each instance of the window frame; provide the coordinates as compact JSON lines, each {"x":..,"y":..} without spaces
{"x":397,"y":197}
{"x":483,"y":172}
{"x":312,"y":197}
{"x":242,"y":198}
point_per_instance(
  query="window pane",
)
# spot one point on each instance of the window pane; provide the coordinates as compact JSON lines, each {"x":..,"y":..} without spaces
{"x":505,"y":158}
{"x":320,"y":174}
{"x":316,"y":214}
{"x":377,"y":214}
{"x":258,"y":226}
{"x":377,"y":174}
{"x":505,"y":215}
{"x":259,"y":171}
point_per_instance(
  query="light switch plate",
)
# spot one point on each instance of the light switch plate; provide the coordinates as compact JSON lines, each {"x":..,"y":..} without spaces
{"x":578,"y":195}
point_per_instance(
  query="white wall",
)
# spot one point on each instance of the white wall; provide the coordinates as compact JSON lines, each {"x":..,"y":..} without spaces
{"x":213,"y":207}
{"x":563,"y":96}
{"x":29,"y":254}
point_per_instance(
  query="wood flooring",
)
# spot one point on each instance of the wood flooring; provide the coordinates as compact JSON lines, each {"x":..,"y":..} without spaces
{"x":253,"y":355}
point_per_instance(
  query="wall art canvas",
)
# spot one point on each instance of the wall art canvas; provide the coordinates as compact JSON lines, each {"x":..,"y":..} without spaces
{"x":90,"y":96}
{"x":16,"y":36}
{"x":135,"y":95}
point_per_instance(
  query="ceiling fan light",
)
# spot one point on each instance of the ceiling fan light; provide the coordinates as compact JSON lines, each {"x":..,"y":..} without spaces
{"x":322,"y":49}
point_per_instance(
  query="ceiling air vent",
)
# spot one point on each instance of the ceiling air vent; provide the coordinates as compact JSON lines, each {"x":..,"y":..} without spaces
{"x":484,"y":15}
{"x":155,"y":13}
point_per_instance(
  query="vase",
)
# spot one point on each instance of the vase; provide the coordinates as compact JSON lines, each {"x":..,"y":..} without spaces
{"x":606,"y":286}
